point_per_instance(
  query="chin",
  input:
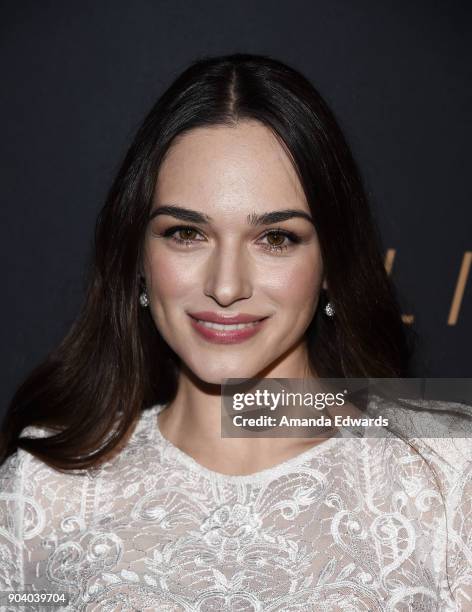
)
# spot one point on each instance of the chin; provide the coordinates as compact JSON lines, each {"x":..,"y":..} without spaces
{"x":219,"y":373}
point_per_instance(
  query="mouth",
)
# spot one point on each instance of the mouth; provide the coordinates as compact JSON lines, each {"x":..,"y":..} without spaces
{"x":226,"y":333}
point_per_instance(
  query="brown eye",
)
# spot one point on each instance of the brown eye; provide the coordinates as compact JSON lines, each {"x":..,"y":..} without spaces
{"x":183,"y":235}
{"x":276,"y":241}
{"x":275,"y":238}
{"x":187,"y":233}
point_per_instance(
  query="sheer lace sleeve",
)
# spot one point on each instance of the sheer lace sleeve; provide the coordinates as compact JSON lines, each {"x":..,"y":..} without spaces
{"x":459,"y":511}
{"x":11,"y":522}
{"x":452,"y":458}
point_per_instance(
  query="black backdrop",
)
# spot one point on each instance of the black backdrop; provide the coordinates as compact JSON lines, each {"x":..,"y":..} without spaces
{"x":78,"y":77}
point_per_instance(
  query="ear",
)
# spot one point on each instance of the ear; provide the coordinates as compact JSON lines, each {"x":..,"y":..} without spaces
{"x":140,"y":270}
{"x":325,"y":285}
{"x":141,"y":280}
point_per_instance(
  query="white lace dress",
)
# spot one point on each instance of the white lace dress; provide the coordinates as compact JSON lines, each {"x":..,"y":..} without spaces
{"x":352,"y":524}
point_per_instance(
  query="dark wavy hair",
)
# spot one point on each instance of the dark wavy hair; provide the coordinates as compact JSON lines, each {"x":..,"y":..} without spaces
{"x":113,"y":363}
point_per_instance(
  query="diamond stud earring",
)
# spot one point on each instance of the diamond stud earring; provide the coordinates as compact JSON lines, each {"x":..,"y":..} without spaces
{"x":144,"y":299}
{"x":329,"y":309}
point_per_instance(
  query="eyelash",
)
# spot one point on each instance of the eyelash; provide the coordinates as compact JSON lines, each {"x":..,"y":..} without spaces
{"x":169,"y":234}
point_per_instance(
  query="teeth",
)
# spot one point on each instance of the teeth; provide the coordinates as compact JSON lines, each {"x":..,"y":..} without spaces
{"x":227,"y":327}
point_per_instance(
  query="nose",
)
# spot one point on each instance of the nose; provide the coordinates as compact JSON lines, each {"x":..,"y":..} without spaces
{"x":228,"y":275}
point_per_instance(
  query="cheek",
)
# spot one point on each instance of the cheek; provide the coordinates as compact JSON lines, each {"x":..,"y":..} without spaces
{"x":296,"y":284}
{"x":170,"y":277}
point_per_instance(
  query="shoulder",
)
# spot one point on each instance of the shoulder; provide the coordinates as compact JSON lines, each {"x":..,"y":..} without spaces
{"x":441,"y":430}
{"x":142,"y":429}
{"x":26,"y":479}
{"x":443,"y":433}
{"x":11,"y":471}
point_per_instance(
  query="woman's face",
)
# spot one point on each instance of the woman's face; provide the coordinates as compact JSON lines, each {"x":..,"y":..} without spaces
{"x":215,"y":258}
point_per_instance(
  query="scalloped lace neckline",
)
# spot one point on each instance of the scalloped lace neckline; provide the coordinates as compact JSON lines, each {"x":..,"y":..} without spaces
{"x":269,"y":472}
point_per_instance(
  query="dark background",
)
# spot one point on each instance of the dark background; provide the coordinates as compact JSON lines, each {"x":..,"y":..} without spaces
{"x":77,"y":79}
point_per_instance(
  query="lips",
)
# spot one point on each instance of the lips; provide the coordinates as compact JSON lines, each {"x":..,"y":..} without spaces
{"x":226,"y":329}
{"x":214,"y":317}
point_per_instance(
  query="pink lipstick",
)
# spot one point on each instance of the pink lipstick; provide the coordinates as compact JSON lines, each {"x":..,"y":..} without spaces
{"x":226,"y":329}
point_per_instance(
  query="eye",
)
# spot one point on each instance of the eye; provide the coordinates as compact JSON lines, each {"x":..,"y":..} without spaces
{"x":280,"y":240}
{"x":187,"y":234}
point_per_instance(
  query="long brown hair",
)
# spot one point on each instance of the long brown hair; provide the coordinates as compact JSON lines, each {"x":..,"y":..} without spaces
{"x":113,"y":363}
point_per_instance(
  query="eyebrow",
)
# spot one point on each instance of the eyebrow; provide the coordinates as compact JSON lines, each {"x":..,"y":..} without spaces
{"x":194,"y":216}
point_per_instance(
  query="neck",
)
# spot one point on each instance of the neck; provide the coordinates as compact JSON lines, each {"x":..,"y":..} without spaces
{"x":192,"y":422}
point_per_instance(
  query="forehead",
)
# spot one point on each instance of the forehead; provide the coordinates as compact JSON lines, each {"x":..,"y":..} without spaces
{"x":220,"y":168}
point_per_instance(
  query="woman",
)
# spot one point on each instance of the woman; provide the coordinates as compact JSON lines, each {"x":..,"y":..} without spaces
{"x":238,"y":203}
